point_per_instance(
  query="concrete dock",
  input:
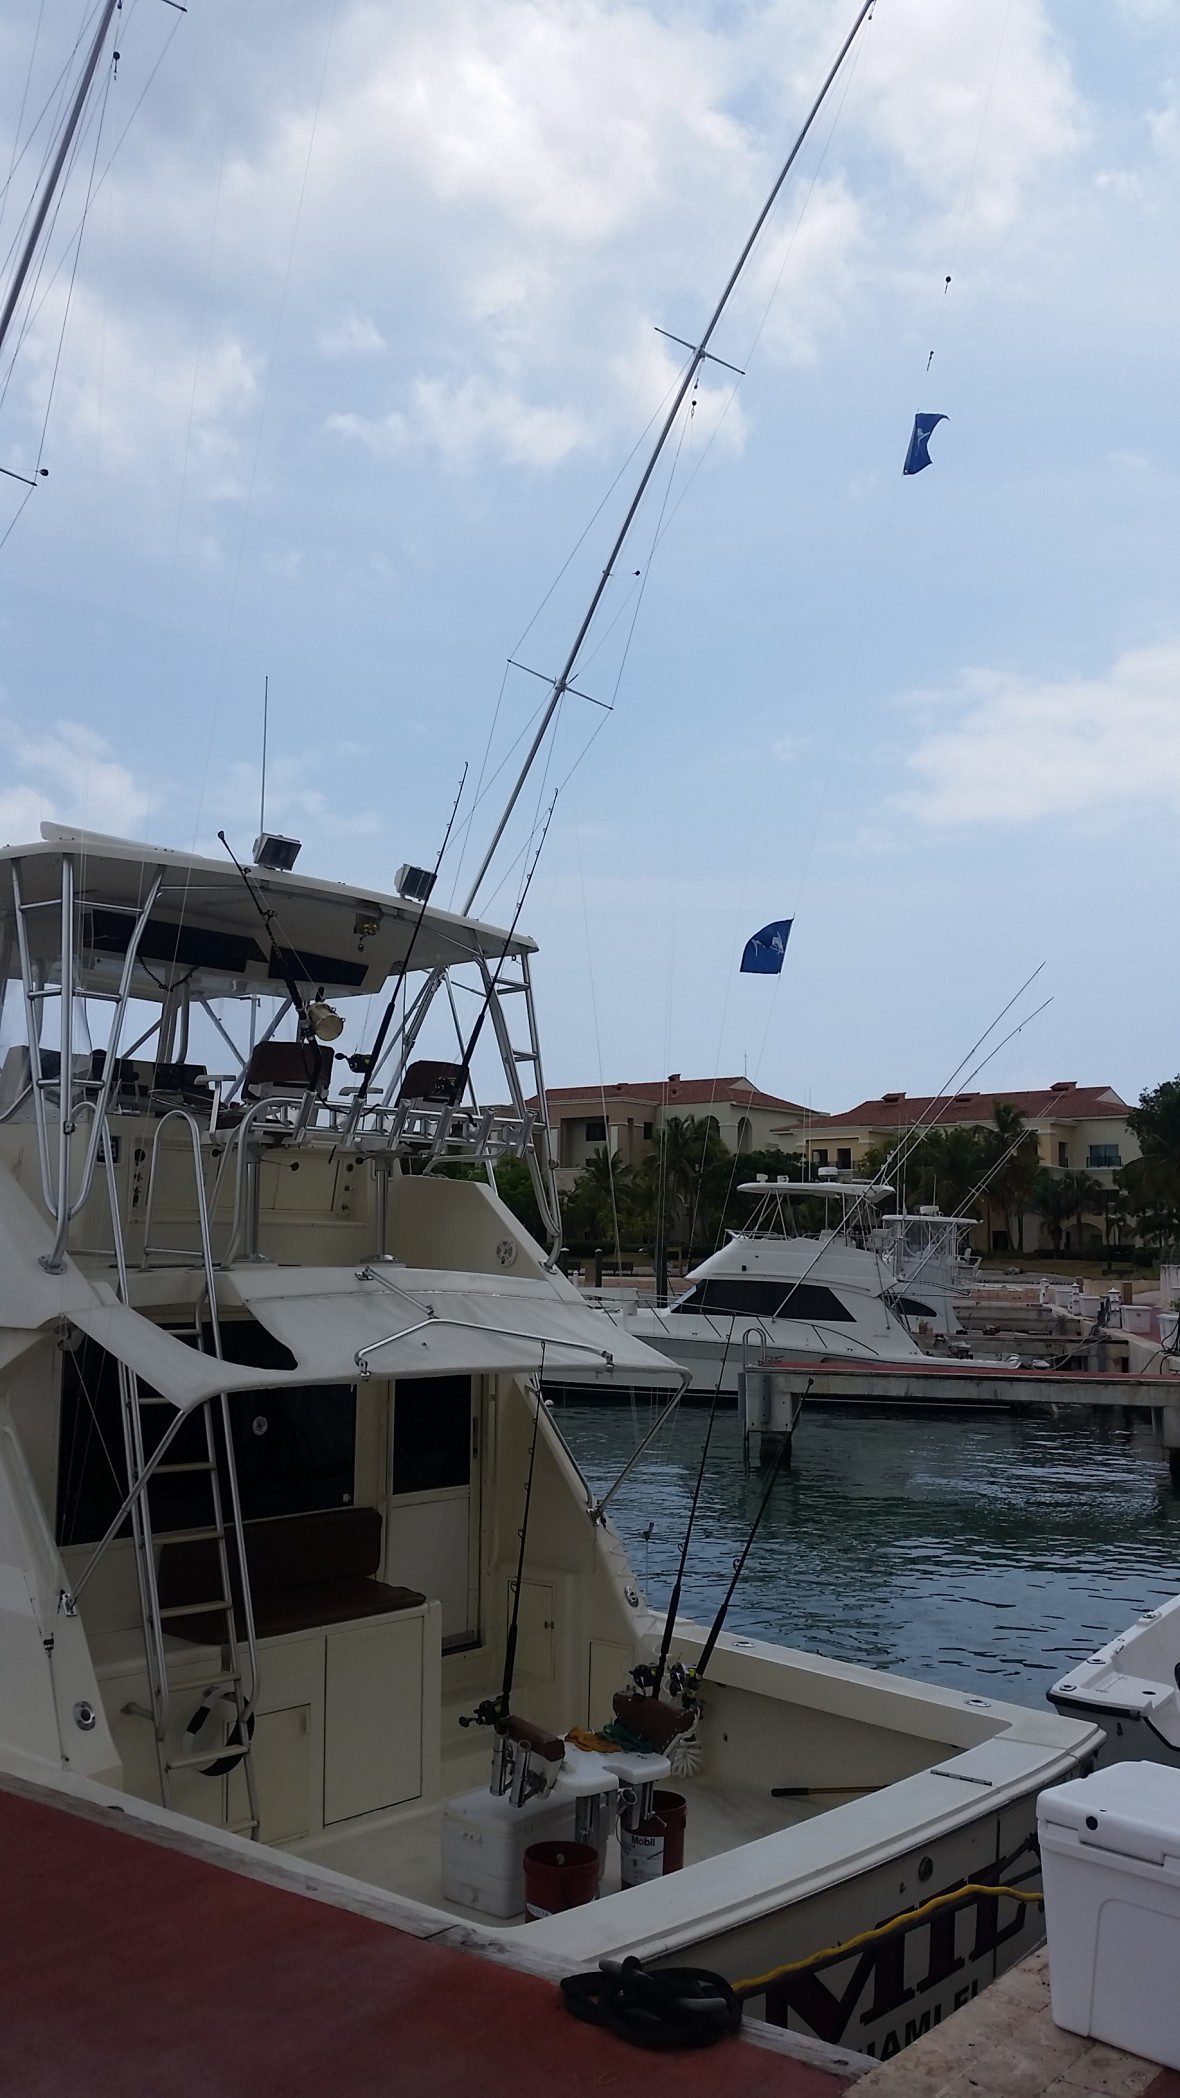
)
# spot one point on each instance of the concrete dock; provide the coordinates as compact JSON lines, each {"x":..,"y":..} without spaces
{"x":970,"y":1387}
{"x":1005,"y":2045}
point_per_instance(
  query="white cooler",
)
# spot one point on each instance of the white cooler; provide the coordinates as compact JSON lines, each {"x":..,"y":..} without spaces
{"x":1110,"y":1854}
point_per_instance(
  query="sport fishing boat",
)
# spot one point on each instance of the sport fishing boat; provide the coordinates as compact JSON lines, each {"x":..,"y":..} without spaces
{"x":924,"y":1251}
{"x":801,"y":1279}
{"x":1131,"y":1688}
{"x":292,"y":1551}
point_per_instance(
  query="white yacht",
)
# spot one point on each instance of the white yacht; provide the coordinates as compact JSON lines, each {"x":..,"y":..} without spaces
{"x":801,"y":1279}
{"x":1131,"y":1688}
{"x":269,"y":1417}
{"x":927,"y":1255}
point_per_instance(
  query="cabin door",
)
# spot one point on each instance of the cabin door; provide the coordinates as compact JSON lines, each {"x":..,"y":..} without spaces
{"x":433,"y":1529}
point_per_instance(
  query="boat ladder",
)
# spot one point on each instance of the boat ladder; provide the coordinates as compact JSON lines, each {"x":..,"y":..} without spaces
{"x":213,"y":1473}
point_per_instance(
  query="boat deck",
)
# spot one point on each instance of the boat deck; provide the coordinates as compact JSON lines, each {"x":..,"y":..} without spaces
{"x":405,"y":1855}
{"x":131,"y":1965}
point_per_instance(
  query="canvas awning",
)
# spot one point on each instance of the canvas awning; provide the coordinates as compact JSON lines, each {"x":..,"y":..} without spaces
{"x":431,"y":1321}
{"x":417,"y":1323}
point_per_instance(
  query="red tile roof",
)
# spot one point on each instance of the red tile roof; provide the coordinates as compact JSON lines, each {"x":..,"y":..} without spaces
{"x":1072,"y":1103}
{"x":676,"y":1092}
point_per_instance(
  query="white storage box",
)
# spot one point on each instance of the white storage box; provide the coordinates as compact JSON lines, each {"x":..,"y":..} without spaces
{"x":484,"y":1839}
{"x":1110,"y":1854}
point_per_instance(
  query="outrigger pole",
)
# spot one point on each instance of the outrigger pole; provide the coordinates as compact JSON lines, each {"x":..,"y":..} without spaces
{"x":561,"y":683}
{"x":33,"y":237}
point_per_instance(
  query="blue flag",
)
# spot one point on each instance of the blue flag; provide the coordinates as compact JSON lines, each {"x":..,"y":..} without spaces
{"x":918,"y":454}
{"x":763,"y":955}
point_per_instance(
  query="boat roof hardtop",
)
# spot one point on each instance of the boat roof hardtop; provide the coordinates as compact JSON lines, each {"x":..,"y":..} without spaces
{"x":206,"y":924}
{"x":846,"y":1191}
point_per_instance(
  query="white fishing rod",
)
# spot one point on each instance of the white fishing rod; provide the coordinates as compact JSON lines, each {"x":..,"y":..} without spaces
{"x":561,"y":683}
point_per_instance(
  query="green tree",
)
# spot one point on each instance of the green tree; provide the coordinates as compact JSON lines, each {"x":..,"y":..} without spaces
{"x":942,"y":1166}
{"x":1086,"y":1197}
{"x":1152,"y":1182}
{"x":1052,"y":1198}
{"x":1011,"y":1163}
{"x":602,"y":1196}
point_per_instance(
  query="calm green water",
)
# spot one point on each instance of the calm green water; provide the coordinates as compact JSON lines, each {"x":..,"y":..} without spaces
{"x":982,"y":1552}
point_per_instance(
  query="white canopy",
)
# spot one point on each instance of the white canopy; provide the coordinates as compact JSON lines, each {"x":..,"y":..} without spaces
{"x":431,"y":1323}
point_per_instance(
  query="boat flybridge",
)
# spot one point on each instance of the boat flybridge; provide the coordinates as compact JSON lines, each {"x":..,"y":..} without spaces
{"x":926,"y":1253}
{"x":270,"y":1413}
{"x":801,"y":1278}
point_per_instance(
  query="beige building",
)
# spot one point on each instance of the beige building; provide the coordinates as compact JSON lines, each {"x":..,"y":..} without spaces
{"x":625,"y":1116}
{"x":1079,"y":1128}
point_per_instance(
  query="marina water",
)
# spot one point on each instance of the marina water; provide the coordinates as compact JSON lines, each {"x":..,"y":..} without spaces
{"x":980,"y":1551}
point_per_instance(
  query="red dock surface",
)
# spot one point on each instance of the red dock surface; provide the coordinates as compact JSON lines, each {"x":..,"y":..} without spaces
{"x":132,"y":1969}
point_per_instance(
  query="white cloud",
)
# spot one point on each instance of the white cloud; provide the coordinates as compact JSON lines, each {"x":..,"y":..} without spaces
{"x":66,"y":775}
{"x":152,"y":403}
{"x":1020,"y":749}
{"x":975,"y":102}
{"x":466,"y":421}
{"x":354,"y":333}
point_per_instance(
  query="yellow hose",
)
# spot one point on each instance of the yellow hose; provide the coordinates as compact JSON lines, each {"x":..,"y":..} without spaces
{"x":754,"y":1984}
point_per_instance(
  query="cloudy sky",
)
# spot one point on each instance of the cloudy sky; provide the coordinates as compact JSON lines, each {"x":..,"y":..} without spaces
{"x":359,"y":342}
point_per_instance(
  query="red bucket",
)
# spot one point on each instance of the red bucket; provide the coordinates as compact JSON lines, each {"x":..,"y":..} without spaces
{"x":559,"y":1876}
{"x":655,"y":1846}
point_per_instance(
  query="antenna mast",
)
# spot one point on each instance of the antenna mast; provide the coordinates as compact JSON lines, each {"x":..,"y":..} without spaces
{"x":54,"y":176}
{"x":265,"y":724}
{"x":562,"y":682}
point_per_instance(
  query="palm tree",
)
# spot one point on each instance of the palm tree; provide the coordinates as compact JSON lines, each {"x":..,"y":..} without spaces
{"x":1052,"y":1199}
{"x":1086,"y":1197}
{"x":1011,"y":1158}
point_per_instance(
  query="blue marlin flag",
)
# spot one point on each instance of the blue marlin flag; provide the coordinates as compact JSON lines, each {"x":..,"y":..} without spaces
{"x":763,"y":954}
{"x":918,"y":454}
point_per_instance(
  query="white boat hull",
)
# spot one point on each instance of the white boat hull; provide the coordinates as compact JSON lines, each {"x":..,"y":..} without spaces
{"x":1130,"y":1689}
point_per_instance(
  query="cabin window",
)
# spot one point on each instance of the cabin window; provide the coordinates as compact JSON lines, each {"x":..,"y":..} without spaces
{"x":294,"y":1449}
{"x":747,"y":1297}
{"x":431,"y":1433}
{"x":596,"y":1131}
{"x":913,"y":1308}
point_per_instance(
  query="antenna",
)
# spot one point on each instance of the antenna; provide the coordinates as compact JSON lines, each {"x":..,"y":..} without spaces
{"x":265,"y":726}
{"x":562,"y":682}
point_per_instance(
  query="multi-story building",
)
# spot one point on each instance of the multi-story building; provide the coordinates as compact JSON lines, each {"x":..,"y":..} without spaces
{"x":1079,"y":1128}
{"x":625,"y":1117}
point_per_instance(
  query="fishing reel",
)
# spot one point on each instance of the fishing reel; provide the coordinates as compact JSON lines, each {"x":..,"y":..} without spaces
{"x":526,"y":1759}
{"x":488,"y":1712}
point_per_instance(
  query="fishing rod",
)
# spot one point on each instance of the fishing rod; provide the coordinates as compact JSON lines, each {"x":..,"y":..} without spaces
{"x":496,"y":1711}
{"x":694,"y":1676}
{"x":307,"y":1030}
{"x":366,"y":1064}
{"x":646,"y":1677}
{"x":700,"y":352}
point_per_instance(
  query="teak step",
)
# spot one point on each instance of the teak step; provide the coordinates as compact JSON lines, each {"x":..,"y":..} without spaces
{"x":192,"y":1464}
{"x":192,"y":1609}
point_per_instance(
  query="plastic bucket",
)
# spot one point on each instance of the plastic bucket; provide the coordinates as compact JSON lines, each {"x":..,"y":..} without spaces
{"x":559,"y":1876}
{"x":655,"y":1846}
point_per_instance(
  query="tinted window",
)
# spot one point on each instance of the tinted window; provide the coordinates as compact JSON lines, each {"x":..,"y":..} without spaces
{"x":294,"y":1449}
{"x":431,"y":1433}
{"x":913,"y":1308}
{"x":743,"y":1295}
